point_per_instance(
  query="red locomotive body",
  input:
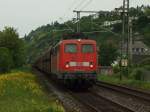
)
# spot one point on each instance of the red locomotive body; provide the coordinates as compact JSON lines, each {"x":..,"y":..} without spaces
{"x":73,"y":59}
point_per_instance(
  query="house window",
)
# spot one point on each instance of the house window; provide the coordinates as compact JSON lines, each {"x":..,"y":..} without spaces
{"x":142,"y":50}
{"x":133,"y":49}
{"x":137,"y":50}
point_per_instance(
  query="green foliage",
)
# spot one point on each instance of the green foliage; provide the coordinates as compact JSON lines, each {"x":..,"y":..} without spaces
{"x":147,"y":67}
{"x":26,"y":68}
{"x":9,"y":39}
{"x":117,"y":27}
{"x":26,"y":93}
{"x":127,"y":82}
{"x":116,"y":69}
{"x":108,"y":53}
{"x":142,"y":22}
{"x":147,"y":10}
{"x":6,"y":62}
{"x":146,"y":33}
{"x":145,"y":62}
{"x":137,"y":74}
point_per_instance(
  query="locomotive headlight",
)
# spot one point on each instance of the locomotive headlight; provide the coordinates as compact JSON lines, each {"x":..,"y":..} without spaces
{"x":91,"y":65}
{"x":67,"y":65}
{"x":79,"y":40}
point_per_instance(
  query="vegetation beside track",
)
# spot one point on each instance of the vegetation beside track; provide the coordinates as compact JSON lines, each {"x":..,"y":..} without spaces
{"x":20,"y":92}
{"x":125,"y":81}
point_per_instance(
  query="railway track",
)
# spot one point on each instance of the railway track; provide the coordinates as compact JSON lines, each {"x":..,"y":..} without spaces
{"x":90,"y":107}
{"x":85,"y":101}
{"x":69,"y":103}
{"x":97,"y":103}
{"x":126,"y":90}
{"x":136,"y":100}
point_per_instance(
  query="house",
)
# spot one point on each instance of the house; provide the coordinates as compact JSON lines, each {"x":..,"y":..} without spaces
{"x":139,"y":48}
{"x":140,"y":51}
{"x":109,"y":23}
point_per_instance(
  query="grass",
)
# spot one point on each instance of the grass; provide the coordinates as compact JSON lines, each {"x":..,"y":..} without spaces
{"x":20,"y":92}
{"x":25,"y":68}
{"x":128,"y":82}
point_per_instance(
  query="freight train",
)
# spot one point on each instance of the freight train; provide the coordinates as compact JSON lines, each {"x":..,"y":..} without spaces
{"x":71,"y":61}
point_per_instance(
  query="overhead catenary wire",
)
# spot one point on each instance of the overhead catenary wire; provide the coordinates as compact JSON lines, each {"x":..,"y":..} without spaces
{"x":80,"y":4}
{"x":69,"y":8}
{"x":85,"y":5}
{"x":66,"y":13}
{"x":101,"y":27}
{"x":74,"y":5}
{"x":69,"y":27}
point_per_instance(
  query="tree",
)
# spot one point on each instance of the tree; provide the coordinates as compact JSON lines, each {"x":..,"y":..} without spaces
{"x":147,"y":10}
{"x":117,"y":27}
{"x":108,"y":53}
{"x":146,"y":33}
{"x":142,"y":22}
{"x":9,"y":39}
{"x":6,"y":61}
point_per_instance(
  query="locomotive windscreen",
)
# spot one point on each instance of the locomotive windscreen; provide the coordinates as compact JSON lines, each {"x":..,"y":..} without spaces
{"x":87,"y":48}
{"x":70,"y":48}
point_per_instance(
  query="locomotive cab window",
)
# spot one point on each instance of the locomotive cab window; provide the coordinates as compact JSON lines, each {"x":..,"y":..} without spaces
{"x":70,"y":48}
{"x":87,"y":48}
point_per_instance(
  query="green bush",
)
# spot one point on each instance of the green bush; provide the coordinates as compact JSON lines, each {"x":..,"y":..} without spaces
{"x":108,"y":53}
{"x":147,"y":67}
{"x":6,"y":62}
{"x":137,"y":74}
{"x":145,"y":62}
{"x":116,"y":69}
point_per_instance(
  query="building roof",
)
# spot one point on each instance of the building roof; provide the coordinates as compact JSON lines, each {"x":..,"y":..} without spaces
{"x":138,"y":48}
{"x":139,"y":44}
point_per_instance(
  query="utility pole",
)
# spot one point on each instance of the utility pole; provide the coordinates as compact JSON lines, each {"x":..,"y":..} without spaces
{"x":78,"y":17}
{"x":125,"y":20}
{"x":125,"y":40}
{"x":128,"y":32}
{"x":130,"y":41}
{"x":78,"y":21}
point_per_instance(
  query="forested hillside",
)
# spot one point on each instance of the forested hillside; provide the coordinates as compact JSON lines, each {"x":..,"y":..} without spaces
{"x":107,"y":36}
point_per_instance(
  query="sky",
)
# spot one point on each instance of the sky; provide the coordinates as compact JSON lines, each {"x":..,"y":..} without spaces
{"x":27,"y":15}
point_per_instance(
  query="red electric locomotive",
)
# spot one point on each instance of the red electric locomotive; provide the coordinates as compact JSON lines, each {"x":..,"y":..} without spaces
{"x":73,"y":61}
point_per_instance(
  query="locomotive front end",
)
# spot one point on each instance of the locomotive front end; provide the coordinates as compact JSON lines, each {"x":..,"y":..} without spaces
{"x":79,"y":60}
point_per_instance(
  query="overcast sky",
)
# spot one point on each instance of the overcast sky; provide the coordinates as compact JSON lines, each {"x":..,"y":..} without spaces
{"x":27,"y":15}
